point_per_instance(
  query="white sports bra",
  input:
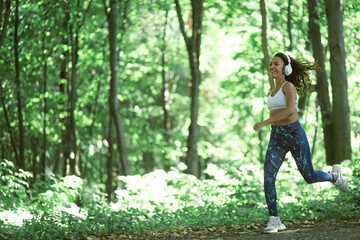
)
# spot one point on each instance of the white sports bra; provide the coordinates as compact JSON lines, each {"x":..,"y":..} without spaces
{"x":278,"y":101}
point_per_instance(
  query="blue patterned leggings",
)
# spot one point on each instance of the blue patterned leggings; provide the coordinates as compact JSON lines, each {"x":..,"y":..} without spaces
{"x":283,"y":139}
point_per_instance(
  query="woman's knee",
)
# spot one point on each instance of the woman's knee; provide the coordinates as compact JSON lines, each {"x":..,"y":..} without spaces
{"x":309,"y":179}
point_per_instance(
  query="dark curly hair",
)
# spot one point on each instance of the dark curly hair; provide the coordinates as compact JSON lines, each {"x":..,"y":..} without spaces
{"x":300,"y":75}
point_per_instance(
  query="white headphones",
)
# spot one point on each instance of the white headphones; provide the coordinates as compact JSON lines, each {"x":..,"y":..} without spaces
{"x":288,"y":69}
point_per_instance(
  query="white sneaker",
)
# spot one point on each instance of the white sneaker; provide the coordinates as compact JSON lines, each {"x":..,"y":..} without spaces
{"x":274,"y":225}
{"x":340,"y":182}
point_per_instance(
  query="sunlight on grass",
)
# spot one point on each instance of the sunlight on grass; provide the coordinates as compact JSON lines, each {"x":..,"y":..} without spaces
{"x":74,"y":210}
{"x":155,"y":188}
{"x":173,"y":191}
{"x":15,"y":217}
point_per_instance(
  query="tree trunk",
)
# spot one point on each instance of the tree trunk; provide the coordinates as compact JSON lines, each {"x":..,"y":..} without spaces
{"x":264,"y":40}
{"x":316,"y":128}
{"x":322,"y":86}
{"x":148,"y":161}
{"x":74,"y":41}
{"x":6,"y":20}
{"x":112,"y":18}
{"x":302,"y":105}
{"x":341,"y":114}
{"x":165,"y":89}
{"x":109,"y":163}
{"x":34,"y":146}
{"x":43,"y":154}
{"x":93,"y":108}
{"x":290,"y":26}
{"x":193,"y":48}
{"x":21,"y":163}
{"x":65,"y":146}
{"x":265,"y":66}
{"x":74,"y":157}
{"x":2,"y":39}
{"x":165,"y":83}
{"x":12,"y":138}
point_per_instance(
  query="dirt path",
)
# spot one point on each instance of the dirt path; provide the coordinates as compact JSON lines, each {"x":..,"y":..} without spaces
{"x":347,"y":230}
{"x":342,"y":230}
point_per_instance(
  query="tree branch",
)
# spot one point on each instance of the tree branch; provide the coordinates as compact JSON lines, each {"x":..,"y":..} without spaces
{"x":105,"y":8}
{"x":85,"y":13}
{"x":197,"y":23}
{"x":6,"y":21}
{"x":8,"y":123}
{"x":1,"y":9}
{"x":182,"y":25}
{"x":124,"y":16}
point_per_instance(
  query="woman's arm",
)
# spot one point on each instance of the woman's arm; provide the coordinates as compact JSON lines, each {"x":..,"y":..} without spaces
{"x":282,"y":114}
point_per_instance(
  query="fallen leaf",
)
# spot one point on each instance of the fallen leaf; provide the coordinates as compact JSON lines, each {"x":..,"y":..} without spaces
{"x":224,"y":228}
{"x":258,"y":223}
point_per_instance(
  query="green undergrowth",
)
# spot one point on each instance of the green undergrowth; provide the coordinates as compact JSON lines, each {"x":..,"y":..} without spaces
{"x":70,"y":208}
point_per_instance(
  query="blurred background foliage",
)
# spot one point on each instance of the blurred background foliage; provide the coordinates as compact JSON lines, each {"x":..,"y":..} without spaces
{"x":157,"y":194}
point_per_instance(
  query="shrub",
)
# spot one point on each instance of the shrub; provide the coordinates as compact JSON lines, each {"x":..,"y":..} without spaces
{"x":14,"y":185}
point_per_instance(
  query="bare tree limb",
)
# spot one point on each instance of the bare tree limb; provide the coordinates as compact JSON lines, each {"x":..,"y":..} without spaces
{"x":182,"y":25}
{"x":1,"y":9}
{"x":85,"y":13}
{"x":105,"y":8}
{"x":6,"y":20}
{"x":8,"y":123}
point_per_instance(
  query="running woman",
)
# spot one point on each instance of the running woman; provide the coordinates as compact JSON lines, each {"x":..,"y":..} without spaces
{"x":291,"y":77}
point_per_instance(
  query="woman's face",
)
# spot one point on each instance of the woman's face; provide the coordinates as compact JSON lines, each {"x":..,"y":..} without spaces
{"x":276,"y":67}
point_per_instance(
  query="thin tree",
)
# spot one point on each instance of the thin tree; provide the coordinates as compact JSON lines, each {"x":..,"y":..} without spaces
{"x":8,"y":124}
{"x":19,"y":97}
{"x":193,"y":48}
{"x":165,"y":88}
{"x":302,"y":102}
{"x":74,"y":30}
{"x":264,"y":40}
{"x":265,"y":63}
{"x":4,"y":23}
{"x":45,"y":54}
{"x":165,"y":83}
{"x":322,"y":86}
{"x":93,"y":107}
{"x":43,"y":154}
{"x":74,"y":42}
{"x":109,"y":163}
{"x":289,"y":26}
{"x":62,"y":161}
{"x":112,"y":18}
{"x":341,"y":113}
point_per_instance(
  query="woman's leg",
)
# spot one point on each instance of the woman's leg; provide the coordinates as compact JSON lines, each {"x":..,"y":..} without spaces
{"x":302,"y":155}
{"x":274,"y":158}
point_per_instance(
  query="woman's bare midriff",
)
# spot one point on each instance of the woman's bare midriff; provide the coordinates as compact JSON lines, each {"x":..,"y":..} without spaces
{"x":293,"y":118}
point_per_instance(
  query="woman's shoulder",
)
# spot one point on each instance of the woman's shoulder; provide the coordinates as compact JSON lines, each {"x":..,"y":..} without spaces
{"x":288,"y":86}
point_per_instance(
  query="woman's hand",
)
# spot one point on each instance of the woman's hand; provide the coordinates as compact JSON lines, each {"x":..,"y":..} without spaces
{"x":259,"y":125}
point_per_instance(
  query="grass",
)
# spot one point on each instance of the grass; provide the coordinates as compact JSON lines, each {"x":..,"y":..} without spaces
{"x":70,"y":208}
